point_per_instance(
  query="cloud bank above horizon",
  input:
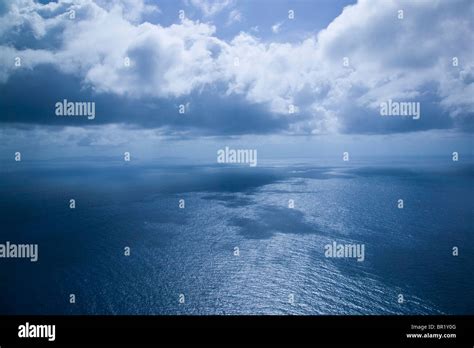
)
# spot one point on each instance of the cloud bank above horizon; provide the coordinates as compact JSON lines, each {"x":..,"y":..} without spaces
{"x":139,"y":70}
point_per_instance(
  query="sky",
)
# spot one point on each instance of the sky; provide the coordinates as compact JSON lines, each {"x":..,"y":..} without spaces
{"x":236,"y":68}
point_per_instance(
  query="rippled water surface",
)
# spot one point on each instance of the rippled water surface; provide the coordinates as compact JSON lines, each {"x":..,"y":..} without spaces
{"x":191,"y":251}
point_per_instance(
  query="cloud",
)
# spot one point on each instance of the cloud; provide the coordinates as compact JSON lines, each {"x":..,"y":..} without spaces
{"x":132,"y":10}
{"x":108,"y":53}
{"x":211,"y":7}
{"x":30,"y":98}
{"x":235,"y":16}
{"x":276,"y":27}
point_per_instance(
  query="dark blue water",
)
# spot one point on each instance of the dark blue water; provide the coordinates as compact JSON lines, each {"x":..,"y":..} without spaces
{"x":191,"y":251}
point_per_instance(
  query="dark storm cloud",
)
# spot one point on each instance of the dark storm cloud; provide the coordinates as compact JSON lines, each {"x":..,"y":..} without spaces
{"x":29,"y":97}
{"x":83,"y":59}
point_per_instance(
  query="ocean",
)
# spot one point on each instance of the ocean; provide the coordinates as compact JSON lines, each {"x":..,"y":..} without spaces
{"x":237,"y":247}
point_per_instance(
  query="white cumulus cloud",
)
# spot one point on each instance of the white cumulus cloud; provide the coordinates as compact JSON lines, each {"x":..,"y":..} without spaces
{"x":388,"y":58}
